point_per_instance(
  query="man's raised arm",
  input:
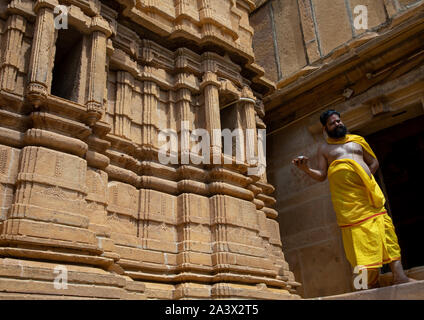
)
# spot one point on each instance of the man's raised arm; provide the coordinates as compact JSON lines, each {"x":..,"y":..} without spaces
{"x":319,"y":174}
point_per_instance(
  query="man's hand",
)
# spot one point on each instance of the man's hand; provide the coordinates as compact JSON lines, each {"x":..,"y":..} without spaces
{"x":302,"y":163}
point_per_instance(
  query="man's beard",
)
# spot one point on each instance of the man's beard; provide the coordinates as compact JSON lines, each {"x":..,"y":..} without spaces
{"x":337,"y":133}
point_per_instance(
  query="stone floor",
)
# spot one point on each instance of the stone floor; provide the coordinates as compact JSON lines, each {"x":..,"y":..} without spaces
{"x":406,"y":291}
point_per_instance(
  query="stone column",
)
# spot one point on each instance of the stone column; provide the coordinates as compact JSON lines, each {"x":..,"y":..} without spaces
{"x":219,"y":232}
{"x":9,"y":163}
{"x":97,"y":68}
{"x":43,"y":47}
{"x":210,"y":86}
{"x":124,"y":88}
{"x":97,"y":161}
{"x":97,"y":197}
{"x":185,"y":122}
{"x":149,"y":114}
{"x":14,"y":33}
{"x":248,"y":110}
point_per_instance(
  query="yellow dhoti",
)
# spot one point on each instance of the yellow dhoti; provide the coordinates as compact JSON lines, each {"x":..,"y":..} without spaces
{"x":368,"y":233}
{"x":371,"y":243}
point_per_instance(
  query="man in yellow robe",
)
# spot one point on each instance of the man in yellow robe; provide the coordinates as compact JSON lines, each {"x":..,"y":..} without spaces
{"x":368,"y":233}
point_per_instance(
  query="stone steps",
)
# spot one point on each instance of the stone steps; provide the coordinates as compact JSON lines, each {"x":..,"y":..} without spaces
{"x":406,"y":291}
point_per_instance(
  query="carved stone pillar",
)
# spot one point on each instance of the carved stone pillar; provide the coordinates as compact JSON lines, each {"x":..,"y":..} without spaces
{"x":9,"y":162}
{"x":149,"y":114}
{"x":210,"y":86}
{"x":219,"y":233}
{"x":14,"y":33}
{"x":97,"y":69}
{"x":194,"y":234}
{"x":185,"y":121}
{"x":124,"y":88}
{"x":248,"y":110}
{"x":183,"y":105}
{"x":41,"y":62}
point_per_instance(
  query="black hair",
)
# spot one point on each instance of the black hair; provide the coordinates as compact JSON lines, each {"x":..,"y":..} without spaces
{"x":327,"y":114}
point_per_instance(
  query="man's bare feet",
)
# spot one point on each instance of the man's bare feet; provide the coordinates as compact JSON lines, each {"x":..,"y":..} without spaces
{"x":399,"y":275}
{"x":403,"y":280}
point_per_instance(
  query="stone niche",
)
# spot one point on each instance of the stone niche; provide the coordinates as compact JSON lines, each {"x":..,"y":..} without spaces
{"x":82,"y":189}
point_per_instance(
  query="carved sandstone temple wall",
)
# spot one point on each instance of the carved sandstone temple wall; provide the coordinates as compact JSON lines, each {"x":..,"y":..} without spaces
{"x":374,"y":78}
{"x":81,"y":185}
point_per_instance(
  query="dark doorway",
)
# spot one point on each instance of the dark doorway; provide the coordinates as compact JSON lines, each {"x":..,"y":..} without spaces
{"x":67,"y":64}
{"x":229,"y":121}
{"x":400,"y":150}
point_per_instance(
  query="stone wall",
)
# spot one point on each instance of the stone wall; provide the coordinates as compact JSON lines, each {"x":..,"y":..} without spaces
{"x":373,"y":78}
{"x":291,"y":35}
{"x":82,"y":189}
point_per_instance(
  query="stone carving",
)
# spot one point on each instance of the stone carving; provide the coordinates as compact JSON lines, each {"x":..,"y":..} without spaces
{"x":55,"y":192}
{"x":3,"y":160}
{"x":90,"y":189}
{"x":58,"y":170}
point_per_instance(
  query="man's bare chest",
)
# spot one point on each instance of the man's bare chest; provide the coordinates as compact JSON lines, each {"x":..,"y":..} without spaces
{"x":350,"y":150}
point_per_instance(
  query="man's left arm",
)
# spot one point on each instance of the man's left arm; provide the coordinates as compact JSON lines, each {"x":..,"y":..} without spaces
{"x":371,"y":162}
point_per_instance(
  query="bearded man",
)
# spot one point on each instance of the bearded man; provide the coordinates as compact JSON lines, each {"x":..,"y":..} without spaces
{"x":369,"y":237}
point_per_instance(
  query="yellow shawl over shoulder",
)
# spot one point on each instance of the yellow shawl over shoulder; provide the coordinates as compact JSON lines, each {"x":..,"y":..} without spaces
{"x":355,"y":195}
{"x":353,"y":138}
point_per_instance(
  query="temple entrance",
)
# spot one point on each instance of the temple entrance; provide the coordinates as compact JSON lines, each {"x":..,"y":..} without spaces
{"x":400,"y":150}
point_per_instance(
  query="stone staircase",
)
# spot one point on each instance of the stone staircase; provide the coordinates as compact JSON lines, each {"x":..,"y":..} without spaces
{"x":406,"y":291}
